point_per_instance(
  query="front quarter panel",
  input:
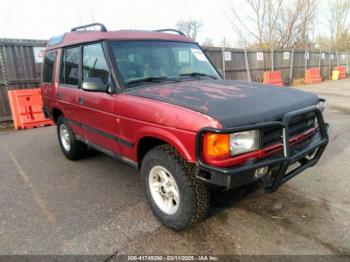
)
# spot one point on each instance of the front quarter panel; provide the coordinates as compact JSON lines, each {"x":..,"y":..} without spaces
{"x":141,"y":117}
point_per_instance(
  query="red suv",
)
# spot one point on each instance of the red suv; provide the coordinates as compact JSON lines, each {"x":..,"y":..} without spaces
{"x":155,"y":101}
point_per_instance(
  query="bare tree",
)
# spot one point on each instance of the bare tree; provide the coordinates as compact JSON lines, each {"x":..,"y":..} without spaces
{"x":338,"y":22}
{"x":257,"y":18}
{"x":275,"y":23}
{"x":295,"y":24}
{"x":224,"y":42}
{"x":190,"y":27}
{"x":207,"y":42}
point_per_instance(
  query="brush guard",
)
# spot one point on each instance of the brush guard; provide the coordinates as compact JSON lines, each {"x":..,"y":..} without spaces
{"x":279,"y":166}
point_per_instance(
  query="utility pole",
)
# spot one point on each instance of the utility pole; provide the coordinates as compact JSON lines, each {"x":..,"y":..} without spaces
{"x":319,"y":60}
{"x":347,"y":63}
{"x":247,"y":62}
{"x":291,"y":68}
{"x":223,"y":58}
{"x":270,"y":35}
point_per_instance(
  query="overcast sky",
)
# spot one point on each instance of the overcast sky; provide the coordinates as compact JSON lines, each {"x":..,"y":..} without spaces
{"x":39,"y":19}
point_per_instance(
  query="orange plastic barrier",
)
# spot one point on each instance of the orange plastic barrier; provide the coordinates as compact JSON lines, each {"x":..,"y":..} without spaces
{"x":342,"y":73}
{"x":312,"y":76}
{"x":273,"y":78}
{"x":26,"y":107}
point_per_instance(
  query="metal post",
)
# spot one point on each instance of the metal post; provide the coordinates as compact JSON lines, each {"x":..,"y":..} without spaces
{"x":223,"y":61}
{"x":272,"y":60}
{"x":329,"y":65}
{"x":347,"y":62}
{"x":4,"y":73}
{"x":3,"y":66}
{"x":305,"y":60}
{"x":291,"y":68}
{"x":337,"y":54}
{"x":319,"y":60}
{"x":247,"y":64}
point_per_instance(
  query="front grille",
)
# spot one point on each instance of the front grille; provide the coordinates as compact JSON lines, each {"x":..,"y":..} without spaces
{"x":297,"y":125}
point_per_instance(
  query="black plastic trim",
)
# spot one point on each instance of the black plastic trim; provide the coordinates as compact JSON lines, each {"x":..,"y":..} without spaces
{"x":102,"y":27}
{"x":170,"y":30}
{"x":46,"y":112}
{"x":102,"y":133}
{"x":110,"y":153}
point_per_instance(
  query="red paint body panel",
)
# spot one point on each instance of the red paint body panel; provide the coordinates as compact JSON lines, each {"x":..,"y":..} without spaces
{"x":98,"y":111}
{"x":141,"y":117}
{"x":133,"y":118}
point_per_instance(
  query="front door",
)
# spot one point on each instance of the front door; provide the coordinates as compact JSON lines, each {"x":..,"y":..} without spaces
{"x":97,"y":109}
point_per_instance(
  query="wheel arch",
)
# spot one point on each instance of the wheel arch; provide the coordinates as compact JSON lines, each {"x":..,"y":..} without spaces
{"x":154,"y":137}
{"x":56,"y":112}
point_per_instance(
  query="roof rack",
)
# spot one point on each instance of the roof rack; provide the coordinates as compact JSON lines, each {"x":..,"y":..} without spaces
{"x":102,"y":27}
{"x":170,"y":30}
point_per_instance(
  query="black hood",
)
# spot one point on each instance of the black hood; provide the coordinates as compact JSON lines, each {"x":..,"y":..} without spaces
{"x":233,"y":103}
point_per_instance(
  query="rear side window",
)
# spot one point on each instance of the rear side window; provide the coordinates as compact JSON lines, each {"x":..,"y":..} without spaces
{"x":48,"y":66}
{"x":69,"y":68}
{"x":94,"y":63}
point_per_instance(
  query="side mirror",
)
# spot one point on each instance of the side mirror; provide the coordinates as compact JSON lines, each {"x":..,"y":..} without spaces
{"x":94,"y":85}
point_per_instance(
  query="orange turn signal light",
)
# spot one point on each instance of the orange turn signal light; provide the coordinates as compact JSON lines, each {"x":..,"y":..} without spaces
{"x":216,"y":145}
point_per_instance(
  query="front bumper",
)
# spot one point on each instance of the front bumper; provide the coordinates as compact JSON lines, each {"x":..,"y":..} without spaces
{"x":307,"y":153}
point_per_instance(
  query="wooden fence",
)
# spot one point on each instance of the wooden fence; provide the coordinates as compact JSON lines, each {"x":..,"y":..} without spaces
{"x":252,"y":63}
{"x":20,"y":67}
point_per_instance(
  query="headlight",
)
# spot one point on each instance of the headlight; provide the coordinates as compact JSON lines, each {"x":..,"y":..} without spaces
{"x":244,"y":142}
{"x":224,"y":145}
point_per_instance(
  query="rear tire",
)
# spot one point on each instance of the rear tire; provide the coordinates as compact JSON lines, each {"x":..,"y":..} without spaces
{"x":72,"y":148}
{"x":189,"y":197}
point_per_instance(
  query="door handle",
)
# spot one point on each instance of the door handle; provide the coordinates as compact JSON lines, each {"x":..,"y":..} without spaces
{"x":81,"y":101}
{"x":59,"y":95}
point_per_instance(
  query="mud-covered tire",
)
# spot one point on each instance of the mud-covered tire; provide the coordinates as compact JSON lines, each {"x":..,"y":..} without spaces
{"x":193,"y":193}
{"x":76,"y":149}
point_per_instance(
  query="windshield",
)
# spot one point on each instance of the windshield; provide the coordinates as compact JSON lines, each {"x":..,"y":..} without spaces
{"x":147,"y":62}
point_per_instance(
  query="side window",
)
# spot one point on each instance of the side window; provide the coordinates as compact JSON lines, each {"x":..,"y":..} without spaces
{"x":48,"y":66}
{"x":69,"y":68}
{"x":94,"y":63}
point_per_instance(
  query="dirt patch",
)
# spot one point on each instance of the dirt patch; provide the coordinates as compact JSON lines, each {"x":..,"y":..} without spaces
{"x":6,"y":126}
{"x":299,"y":215}
{"x":341,"y":109}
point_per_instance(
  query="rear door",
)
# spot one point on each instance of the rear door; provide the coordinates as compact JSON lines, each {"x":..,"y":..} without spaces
{"x":97,"y":109}
{"x":47,"y":82}
{"x":68,"y":83}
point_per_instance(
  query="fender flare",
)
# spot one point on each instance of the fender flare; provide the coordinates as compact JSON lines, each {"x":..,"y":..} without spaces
{"x":166,"y":136}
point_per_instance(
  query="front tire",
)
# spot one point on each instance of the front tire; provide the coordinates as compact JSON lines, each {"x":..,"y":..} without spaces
{"x":72,"y":148}
{"x":175,"y":196}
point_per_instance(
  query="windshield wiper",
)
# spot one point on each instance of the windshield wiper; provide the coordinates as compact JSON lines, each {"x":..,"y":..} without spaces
{"x":198,"y":74}
{"x":155,"y":79}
